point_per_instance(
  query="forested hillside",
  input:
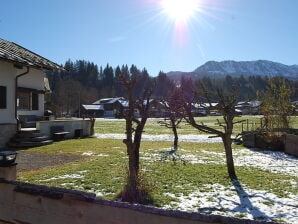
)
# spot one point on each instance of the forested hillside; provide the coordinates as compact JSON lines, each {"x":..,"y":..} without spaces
{"x":85,"y":82}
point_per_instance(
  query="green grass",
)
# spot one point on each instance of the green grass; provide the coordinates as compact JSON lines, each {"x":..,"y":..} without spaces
{"x":152,"y":127}
{"x":105,"y":171}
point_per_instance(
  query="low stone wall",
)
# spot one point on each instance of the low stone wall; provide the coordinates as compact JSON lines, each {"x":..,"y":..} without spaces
{"x":28,"y":203}
{"x":6,"y":132}
{"x":69,"y":125}
{"x":291,"y":144}
{"x":249,"y":139}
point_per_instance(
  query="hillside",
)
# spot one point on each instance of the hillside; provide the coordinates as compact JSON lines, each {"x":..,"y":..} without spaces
{"x":261,"y":68}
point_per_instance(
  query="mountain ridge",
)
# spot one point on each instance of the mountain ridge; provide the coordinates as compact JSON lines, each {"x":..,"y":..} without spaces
{"x":237,"y":68}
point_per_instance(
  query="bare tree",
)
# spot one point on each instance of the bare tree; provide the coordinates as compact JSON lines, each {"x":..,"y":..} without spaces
{"x":174,"y":115}
{"x":276,"y":105}
{"x":134,"y":191}
{"x":226,"y":105}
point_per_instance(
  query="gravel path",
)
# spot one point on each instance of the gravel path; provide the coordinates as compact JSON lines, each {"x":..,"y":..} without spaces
{"x":31,"y":161}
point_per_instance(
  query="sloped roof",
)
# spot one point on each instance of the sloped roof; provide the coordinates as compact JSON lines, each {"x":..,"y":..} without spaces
{"x":12,"y":52}
{"x":108,"y":100}
{"x":92,"y":107}
{"x":124,"y":102}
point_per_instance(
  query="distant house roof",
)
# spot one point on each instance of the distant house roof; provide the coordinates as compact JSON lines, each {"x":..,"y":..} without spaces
{"x":207,"y":105}
{"x":12,"y":52}
{"x":199,"y":105}
{"x":93,"y":107}
{"x":254,"y":103}
{"x":124,"y":103}
{"x":109,"y":100}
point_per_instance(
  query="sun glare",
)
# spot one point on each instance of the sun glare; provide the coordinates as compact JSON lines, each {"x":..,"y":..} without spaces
{"x":179,"y":10}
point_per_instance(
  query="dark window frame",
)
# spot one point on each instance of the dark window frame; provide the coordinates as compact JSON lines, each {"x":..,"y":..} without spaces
{"x":32,"y":97}
{"x":34,"y":101}
{"x":3,"y":97}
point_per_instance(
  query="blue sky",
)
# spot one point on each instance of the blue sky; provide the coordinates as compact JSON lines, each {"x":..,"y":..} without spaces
{"x":139,"y":32}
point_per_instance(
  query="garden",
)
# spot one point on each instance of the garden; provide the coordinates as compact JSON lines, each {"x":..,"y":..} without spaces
{"x":194,"y":179}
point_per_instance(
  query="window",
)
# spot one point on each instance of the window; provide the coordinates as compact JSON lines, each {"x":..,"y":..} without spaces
{"x":34,"y":101}
{"x":2,"y":97}
{"x":24,"y":99}
{"x":27,"y":99}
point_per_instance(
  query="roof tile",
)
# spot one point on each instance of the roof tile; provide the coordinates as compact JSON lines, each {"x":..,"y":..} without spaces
{"x":10,"y":51}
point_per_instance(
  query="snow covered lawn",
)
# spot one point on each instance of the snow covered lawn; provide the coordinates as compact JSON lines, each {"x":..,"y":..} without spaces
{"x":267,"y":188}
{"x":167,"y":138}
{"x":238,"y":200}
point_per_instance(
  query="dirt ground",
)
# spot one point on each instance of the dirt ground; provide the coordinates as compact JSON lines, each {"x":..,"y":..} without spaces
{"x":31,"y":161}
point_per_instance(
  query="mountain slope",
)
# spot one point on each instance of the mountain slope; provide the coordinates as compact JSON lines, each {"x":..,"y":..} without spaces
{"x":245,"y":68}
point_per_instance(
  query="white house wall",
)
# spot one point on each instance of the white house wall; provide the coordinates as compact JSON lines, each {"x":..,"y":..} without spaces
{"x":33,"y":80}
{"x":7,"y":75}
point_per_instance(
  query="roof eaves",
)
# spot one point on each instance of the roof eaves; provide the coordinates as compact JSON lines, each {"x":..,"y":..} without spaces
{"x":13,"y":52}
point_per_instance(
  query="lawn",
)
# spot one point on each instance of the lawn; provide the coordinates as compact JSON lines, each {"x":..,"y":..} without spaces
{"x":267,"y":187}
{"x":108,"y":126}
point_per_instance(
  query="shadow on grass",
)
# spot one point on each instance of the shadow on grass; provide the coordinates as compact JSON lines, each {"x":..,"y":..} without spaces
{"x":244,"y":208}
{"x":171,"y":155}
{"x":245,"y":205}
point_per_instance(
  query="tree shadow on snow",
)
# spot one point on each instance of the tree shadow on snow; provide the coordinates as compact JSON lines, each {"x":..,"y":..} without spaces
{"x":171,"y":155}
{"x":245,"y":206}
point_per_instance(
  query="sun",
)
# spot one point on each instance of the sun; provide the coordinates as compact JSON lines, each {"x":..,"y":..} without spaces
{"x":179,"y":10}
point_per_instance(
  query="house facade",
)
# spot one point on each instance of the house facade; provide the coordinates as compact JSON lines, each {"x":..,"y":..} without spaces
{"x":107,"y":107}
{"x":249,"y":107}
{"x":92,"y":110}
{"x":22,"y":86}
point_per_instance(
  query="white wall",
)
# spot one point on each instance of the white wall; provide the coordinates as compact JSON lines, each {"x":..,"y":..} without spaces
{"x":69,"y":126}
{"x":7,"y":74}
{"x":25,"y":203}
{"x":33,"y":80}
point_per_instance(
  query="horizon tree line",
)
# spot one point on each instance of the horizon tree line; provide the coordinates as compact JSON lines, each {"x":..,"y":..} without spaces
{"x":139,"y":88}
{"x":84,"y":83}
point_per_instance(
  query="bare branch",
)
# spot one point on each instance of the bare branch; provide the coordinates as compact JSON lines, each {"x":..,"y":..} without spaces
{"x":237,"y":122}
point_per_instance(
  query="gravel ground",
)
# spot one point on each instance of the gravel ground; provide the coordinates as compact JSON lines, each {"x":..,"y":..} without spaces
{"x":32,"y":161}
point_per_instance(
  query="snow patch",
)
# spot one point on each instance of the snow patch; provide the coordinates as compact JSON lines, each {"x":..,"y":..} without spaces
{"x":275,"y":162}
{"x":67,"y":176}
{"x":87,"y":154}
{"x":94,"y":154}
{"x":237,"y":201}
{"x":167,"y":138}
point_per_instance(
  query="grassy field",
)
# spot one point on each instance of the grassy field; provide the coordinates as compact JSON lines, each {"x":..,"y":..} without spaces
{"x":107,"y":126}
{"x":105,"y":163}
{"x":102,"y":168}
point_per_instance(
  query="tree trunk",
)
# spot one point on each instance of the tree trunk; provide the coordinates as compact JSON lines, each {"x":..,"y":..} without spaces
{"x":174,"y":129}
{"x":130,"y":192}
{"x":133,"y":173}
{"x":229,"y":156}
{"x":175,"y":137}
{"x":137,"y":144}
{"x":133,"y":191}
{"x":92,"y":120}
